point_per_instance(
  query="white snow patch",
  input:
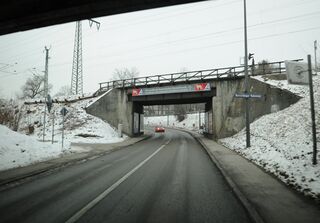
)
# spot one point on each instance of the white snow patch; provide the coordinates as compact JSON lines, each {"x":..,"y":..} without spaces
{"x":18,"y":150}
{"x":79,"y":127}
{"x":281,"y":142}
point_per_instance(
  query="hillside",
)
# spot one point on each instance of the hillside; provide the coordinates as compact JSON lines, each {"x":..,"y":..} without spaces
{"x":26,"y":146}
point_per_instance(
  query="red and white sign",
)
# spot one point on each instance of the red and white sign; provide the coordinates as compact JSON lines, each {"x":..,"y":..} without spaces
{"x":171,"y":89}
{"x":202,"y":87}
{"x":136,"y":92}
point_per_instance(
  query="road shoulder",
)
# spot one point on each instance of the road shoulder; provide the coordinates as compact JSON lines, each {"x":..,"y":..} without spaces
{"x":265,"y":197}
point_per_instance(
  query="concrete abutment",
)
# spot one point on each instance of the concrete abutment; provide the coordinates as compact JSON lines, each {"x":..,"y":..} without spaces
{"x":225,"y":114}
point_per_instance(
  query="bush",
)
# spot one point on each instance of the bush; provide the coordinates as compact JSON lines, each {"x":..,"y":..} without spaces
{"x":9,"y":114}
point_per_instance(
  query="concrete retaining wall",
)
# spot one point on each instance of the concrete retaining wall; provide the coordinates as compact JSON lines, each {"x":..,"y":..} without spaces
{"x":229,"y":112}
{"x":115,"y":109}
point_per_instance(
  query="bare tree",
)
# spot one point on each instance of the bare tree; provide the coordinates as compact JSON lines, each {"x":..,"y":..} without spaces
{"x":264,"y":67}
{"x":125,"y":73}
{"x":180,"y":112}
{"x":10,"y":113}
{"x":64,"y":91}
{"x":34,"y":87}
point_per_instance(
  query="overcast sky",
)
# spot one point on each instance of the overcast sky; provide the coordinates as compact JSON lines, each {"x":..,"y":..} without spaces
{"x":194,"y":36}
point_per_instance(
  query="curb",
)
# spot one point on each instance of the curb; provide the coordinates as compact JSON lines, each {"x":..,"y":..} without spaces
{"x":63,"y":164}
{"x":251,"y":210}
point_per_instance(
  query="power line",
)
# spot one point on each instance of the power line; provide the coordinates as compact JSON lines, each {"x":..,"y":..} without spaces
{"x":207,"y":46}
{"x":208,"y":34}
{"x":181,"y":41}
{"x":63,"y":41}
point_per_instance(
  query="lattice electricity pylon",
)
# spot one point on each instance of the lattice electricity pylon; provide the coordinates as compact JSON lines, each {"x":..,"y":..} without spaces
{"x":77,"y":76}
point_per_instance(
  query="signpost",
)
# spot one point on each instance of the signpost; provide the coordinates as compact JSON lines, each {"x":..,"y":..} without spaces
{"x":48,"y":106}
{"x":49,"y":103}
{"x":248,"y":96}
{"x":52,"y":128}
{"x":314,"y":132}
{"x":301,"y":73}
{"x":63,"y":112}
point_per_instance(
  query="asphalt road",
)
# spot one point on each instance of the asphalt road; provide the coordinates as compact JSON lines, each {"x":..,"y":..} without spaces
{"x":167,"y":178}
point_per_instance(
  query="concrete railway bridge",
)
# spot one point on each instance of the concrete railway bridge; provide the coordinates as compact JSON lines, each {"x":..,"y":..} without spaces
{"x":121,"y":104}
{"x":122,"y":101}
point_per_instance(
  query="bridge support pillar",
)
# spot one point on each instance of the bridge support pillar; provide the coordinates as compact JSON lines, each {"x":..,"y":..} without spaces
{"x":137,"y":119}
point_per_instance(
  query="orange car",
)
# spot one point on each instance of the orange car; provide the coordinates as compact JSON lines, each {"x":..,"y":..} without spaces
{"x":159,"y":129}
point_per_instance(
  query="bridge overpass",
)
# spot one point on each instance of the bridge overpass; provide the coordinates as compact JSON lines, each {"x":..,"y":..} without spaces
{"x":21,"y":15}
{"x":122,"y":101}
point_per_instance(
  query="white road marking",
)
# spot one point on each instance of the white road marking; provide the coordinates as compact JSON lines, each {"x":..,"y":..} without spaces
{"x":86,"y":208}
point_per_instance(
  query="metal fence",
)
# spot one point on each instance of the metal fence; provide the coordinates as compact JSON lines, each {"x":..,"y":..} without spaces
{"x":195,"y":76}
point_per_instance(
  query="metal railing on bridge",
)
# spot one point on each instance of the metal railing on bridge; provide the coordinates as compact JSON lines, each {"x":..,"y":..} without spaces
{"x":195,"y":76}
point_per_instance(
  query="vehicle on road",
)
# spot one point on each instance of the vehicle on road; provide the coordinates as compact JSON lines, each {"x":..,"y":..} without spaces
{"x":159,"y":129}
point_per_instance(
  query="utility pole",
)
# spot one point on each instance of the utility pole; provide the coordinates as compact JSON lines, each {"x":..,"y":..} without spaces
{"x":246,"y":81}
{"x":199,"y":120}
{"x":45,"y":85}
{"x":315,"y":56}
{"x":46,"y":72}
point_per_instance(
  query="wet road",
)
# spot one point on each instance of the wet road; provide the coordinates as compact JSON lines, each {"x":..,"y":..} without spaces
{"x":167,"y":178}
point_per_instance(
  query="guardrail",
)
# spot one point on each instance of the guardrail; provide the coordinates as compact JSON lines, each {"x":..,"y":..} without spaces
{"x":195,"y":76}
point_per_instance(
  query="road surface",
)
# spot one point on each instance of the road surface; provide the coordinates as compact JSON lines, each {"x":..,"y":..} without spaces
{"x":167,"y":178}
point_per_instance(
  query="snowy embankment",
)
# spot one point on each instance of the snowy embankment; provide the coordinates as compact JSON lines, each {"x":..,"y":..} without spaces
{"x":26,"y":146}
{"x":281,"y":142}
{"x":17,"y":149}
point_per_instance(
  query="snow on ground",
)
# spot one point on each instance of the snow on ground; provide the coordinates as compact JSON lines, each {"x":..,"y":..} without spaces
{"x":17,"y":149}
{"x":26,"y":147}
{"x":281,"y":142}
{"x":191,"y":122}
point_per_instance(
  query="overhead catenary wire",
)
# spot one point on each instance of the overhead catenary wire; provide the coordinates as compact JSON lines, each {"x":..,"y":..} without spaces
{"x":193,"y":37}
{"x":217,"y":33}
{"x":63,"y":41}
{"x":202,"y":47}
{"x":191,"y":49}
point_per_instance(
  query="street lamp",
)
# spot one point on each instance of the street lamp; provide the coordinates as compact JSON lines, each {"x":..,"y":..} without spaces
{"x":246,"y":81}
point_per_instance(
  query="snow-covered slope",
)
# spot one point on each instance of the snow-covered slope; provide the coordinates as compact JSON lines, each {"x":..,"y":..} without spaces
{"x":17,"y":149}
{"x":281,"y":142}
{"x":26,"y":147}
{"x":78,"y":125}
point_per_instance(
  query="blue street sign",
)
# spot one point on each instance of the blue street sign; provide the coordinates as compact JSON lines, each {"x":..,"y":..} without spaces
{"x":248,"y":95}
{"x":63,"y":111}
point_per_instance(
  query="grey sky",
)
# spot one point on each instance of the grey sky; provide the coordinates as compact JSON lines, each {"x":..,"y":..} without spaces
{"x":193,"y":36}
